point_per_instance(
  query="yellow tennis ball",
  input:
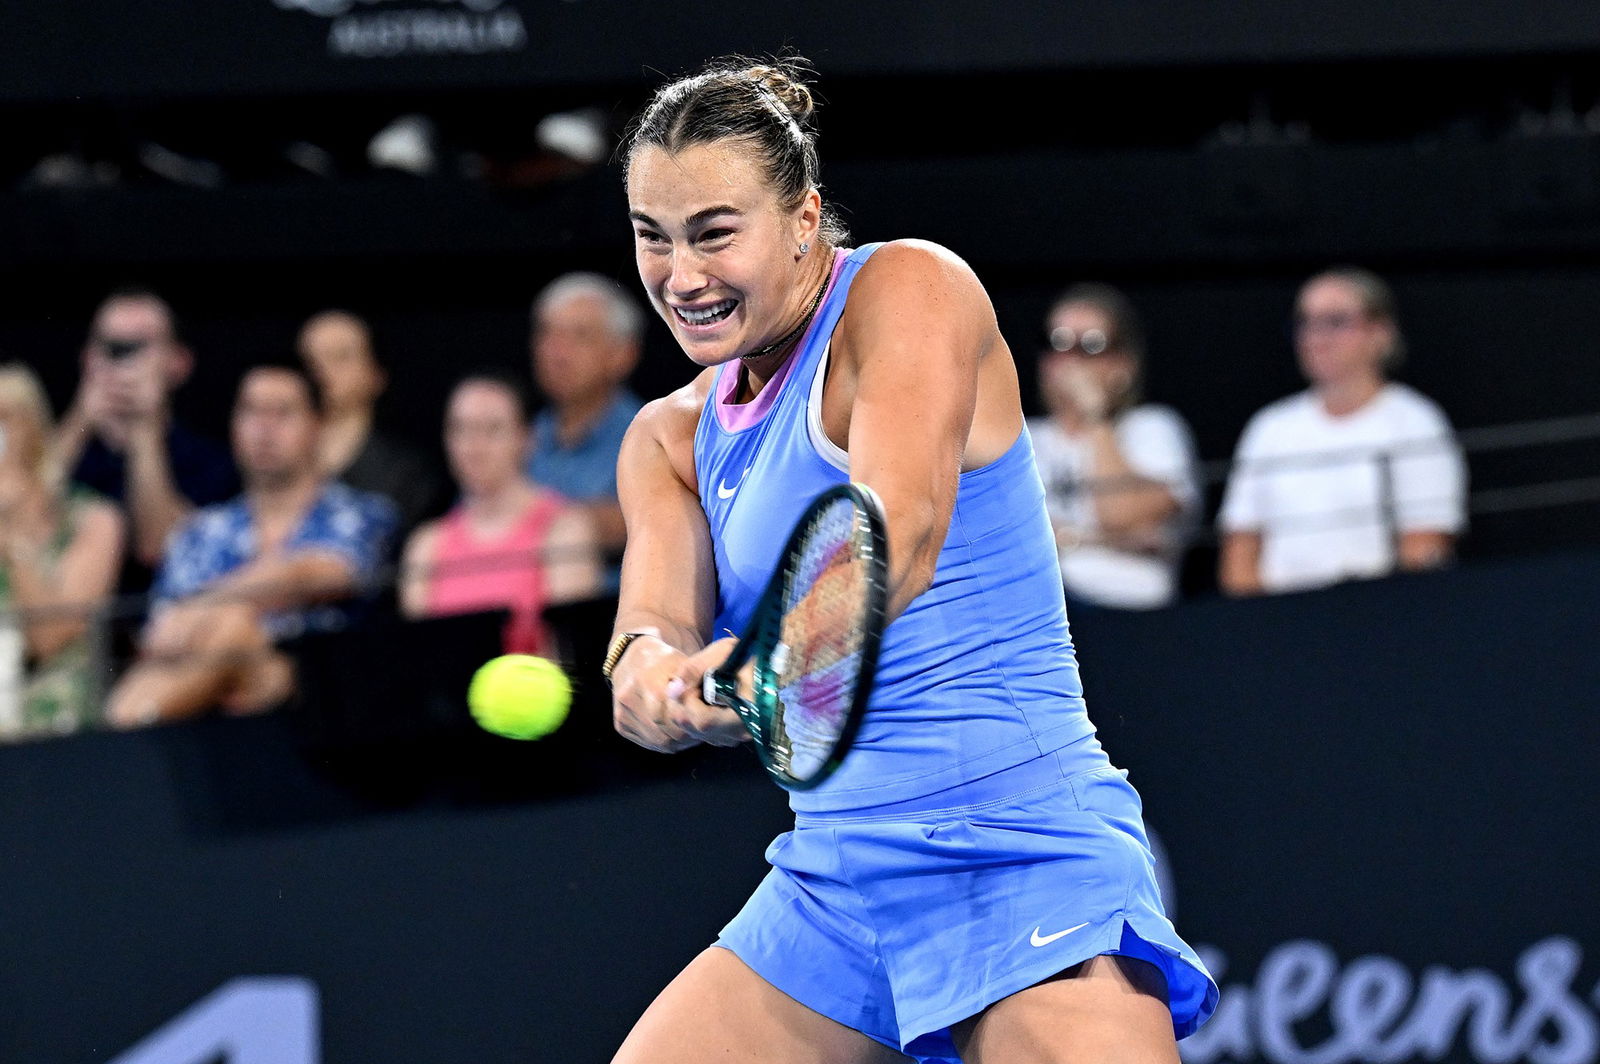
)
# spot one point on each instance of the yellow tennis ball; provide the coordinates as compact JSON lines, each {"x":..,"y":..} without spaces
{"x":520,"y":696}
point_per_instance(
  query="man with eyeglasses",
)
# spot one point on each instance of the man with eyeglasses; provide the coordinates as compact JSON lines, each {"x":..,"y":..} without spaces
{"x":120,"y":437}
{"x":585,"y":341}
{"x":1355,"y":477}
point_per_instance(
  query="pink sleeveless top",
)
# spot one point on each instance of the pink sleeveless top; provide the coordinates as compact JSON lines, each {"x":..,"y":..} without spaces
{"x":471,"y":574}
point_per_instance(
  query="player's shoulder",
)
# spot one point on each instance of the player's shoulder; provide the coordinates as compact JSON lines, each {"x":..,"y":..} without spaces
{"x":673,"y":416}
{"x":916,"y":284}
{"x":914,"y":250}
{"x":665,"y":428}
{"x":914,"y":261}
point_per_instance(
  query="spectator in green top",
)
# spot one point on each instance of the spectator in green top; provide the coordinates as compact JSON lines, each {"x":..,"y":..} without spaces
{"x":60,"y":552}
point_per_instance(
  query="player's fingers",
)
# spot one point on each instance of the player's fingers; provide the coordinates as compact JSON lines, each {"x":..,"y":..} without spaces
{"x":687,"y":682}
{"x":625,"y":727}
{"x":705,"y":723}
{"x":644,"y":721}
{"x":654,"y":738}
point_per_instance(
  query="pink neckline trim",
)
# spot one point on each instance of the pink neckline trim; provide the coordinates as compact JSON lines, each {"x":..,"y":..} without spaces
{"x":736,"y":417}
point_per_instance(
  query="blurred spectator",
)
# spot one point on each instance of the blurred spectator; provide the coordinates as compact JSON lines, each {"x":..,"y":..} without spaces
{"x":59,"y":555}
{"x":241,"y":576}
{"x":586,"y":338}
{"x":120,"y":437}
{"x":509,"y":543}
{"x":337,"y":347}
{"x":1356,"y":475}
{"x":1119,"y":475}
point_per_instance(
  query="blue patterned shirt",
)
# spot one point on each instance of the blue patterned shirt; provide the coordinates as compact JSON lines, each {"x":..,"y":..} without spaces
{"x":355,"y":525}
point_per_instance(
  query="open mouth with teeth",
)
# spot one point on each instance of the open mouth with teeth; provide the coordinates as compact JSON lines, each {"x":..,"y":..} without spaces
{"x":710,"y":315}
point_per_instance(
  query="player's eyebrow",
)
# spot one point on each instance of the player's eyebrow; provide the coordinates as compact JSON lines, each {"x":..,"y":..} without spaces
{"x":695,"y":219}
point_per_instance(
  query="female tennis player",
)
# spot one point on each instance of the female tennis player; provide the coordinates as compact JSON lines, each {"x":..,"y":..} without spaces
{"x":974,"y":882}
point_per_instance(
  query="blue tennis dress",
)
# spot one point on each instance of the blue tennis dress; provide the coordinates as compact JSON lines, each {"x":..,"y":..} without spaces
{"x":977,"y":839}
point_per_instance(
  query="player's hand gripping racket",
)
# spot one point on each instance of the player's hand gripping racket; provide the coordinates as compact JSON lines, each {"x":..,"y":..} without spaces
{"x":812,"y":643}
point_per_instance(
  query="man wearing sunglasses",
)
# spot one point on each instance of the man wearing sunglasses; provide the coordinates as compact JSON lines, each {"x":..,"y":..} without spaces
{"x":119,"y":436}
{"x":1119,"y":474}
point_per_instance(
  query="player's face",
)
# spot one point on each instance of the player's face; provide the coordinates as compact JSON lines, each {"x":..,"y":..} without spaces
{"x":1335,"y":338}
{"x":718,"y":254}
{"x":274,"y":427}
{"x":485,"y":437}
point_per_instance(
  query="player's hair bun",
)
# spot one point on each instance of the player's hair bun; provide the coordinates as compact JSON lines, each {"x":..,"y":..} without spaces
{"x":763,"y":105}
{"x":788,"y":88}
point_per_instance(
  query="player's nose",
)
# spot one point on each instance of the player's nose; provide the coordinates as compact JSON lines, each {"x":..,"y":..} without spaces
{"x":687,"y":275}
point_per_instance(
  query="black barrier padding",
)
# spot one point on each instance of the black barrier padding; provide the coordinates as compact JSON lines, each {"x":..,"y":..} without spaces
{"x":1382,"y":765}
{"x":440,"y":933}
{"x":1402,"y":768}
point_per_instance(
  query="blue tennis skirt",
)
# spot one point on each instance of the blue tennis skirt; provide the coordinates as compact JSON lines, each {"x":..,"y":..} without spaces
{"x":903,"y":920}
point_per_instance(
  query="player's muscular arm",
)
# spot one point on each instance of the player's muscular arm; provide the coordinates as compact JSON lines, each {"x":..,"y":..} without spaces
{"x":668,"y":581}
{"x":915,"y":360}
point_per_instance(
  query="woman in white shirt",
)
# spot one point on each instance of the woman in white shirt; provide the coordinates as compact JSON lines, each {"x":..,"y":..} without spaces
{"x":1352,"y":478}
{"x":1119,"y":475}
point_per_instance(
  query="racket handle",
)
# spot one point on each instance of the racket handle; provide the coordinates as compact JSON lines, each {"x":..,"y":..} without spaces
{"x":708,"y":690}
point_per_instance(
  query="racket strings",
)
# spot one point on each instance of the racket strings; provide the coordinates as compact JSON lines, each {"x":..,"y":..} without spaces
{"x":821,"y":639}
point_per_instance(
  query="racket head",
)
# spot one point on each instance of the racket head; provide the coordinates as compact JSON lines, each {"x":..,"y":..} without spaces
{"x":812,"y":643}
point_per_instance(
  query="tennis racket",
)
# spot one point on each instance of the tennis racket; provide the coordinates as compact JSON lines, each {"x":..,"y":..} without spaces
{"x":811,"y":647}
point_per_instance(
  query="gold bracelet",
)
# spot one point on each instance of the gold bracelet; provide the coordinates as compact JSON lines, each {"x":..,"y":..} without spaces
{"x":619,"y":647}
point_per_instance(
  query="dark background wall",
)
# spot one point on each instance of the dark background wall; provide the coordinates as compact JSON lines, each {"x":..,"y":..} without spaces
{"x":1207,"y":158}
{"x":450,"y":898}
{"x":189,"y":47}
{"x":1376,"y":804}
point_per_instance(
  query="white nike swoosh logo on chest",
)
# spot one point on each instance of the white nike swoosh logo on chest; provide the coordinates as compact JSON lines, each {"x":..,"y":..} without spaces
{"x":725,"y":492}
